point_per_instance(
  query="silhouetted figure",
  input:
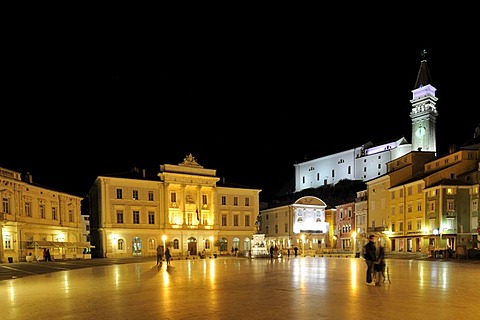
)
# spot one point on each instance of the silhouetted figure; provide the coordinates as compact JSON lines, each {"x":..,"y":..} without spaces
{"x":160,"y":254}
{"x":168,"y":256}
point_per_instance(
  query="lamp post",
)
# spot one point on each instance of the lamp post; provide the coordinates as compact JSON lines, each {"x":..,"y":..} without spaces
{"x":303,"y":245}
{"x":211,"y":247}
{"x":354,"y":248}
{"x":164,"y":237}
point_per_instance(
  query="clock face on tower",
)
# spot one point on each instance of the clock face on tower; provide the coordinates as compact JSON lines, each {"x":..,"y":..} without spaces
{"x":420,"y":132}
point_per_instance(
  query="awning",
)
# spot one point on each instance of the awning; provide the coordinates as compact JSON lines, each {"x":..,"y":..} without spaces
{"x":57,"y":244}
{"x":83,"y":245}
{"x":44,"y":244}
{"x":77,"y":245}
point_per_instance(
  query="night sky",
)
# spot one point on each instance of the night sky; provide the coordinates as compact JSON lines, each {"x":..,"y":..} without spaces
{"x":247,"y":101}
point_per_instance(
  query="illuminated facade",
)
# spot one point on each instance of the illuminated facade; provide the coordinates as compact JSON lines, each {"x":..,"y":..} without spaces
{"x":414,"y":201}
{"x":34,"y":218}
{"x":305,"y":224}
{"x":185,"y":207}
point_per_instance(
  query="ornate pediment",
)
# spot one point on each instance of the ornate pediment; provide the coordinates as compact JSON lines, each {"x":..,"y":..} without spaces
{"x":190,"y":161}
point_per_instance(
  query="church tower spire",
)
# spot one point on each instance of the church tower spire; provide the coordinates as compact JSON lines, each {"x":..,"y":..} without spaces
{"x":424,"y":113}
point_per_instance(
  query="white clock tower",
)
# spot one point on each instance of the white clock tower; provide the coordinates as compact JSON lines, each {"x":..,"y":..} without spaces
{"x":424,"y":113}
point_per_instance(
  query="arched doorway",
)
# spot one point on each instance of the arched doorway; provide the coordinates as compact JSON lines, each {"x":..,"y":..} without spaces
{"x":247,"y":244}
{"x":223,"y":246}
{"x":192,"y":246}
{"x":136,"y":246}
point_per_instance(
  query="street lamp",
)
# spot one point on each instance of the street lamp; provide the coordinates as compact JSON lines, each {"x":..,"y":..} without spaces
{"x":164,"y":237}
{"x":211,"y":247}
{"x":303,"y":245}
{"x":354,"y":248}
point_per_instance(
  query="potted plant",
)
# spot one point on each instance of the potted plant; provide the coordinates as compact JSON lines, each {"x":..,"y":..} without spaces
{"x":216,"y":244}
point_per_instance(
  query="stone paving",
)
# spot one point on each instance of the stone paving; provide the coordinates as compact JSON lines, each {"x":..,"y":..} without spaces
{"x":239,"y":288}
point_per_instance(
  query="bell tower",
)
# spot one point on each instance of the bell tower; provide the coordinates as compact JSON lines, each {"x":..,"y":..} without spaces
{"x":424,"y":113}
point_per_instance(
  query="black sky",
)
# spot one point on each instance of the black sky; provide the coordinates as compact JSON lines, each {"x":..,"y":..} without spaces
{"x":247,"y":100}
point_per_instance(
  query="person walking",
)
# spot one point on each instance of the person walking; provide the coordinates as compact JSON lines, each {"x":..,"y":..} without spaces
{"x":168,"y":256}
{"x":295,"y":250}
{"x":271,"y":252}
{"x":380,"y":266}
{"x":160,"y":254}
{"x":370,"y":256}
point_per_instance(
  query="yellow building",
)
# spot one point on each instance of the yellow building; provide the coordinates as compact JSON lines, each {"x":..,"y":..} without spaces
{"x":34,"y":218}
{"x":185,"y":207}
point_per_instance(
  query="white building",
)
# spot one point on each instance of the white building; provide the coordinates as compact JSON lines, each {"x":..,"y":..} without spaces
{"x":369,"y":161}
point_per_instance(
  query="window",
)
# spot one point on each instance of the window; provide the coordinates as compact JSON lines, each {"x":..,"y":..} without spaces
{"x":450,"y":204}
{"x":419,"y":206}
{"x":54,"y":213}
{"x":431,"y":206}
{"x":119,"y":216}
{"x":70,"y":214}
{"x":276,"y":228}
{"x":409,"y":208}
{"x":41,"y":209}
{"x":400,"y":227}
{"x":419,"y":224}
{"x":28,"y":209}
{"x":6,"y":205}
{"x":204,"y":199}
{"x":135,"y":194}
{"x":450,"y":223}
{"x":150,"y":196}
{"x":136,"y":217}
{"x":151,"y":217}
{"x":235,"y":220}
{"x":235,"y":201}
{"x":119,"y":194}
{"x":393,"y":226}
{"x":224,"y":201}
{"x":120,"y":244}
{"x":151,"y":244}
{"x":409,"y":191}
{"x":176,"y":244}
{"x":409,"y":225}
{"x":7,"y":242}
{"x":173,"y":197}
{"x":286,"y":228}
{"x":224,"y":220}
{"x":247,"y":221}
{"x":247,"y":202}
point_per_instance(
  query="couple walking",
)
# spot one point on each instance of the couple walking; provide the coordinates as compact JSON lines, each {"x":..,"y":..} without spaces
{"x":375,"y":262}
{"x":161,"y":253}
